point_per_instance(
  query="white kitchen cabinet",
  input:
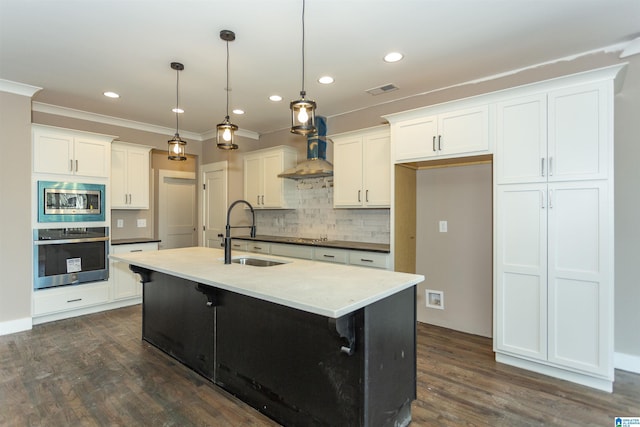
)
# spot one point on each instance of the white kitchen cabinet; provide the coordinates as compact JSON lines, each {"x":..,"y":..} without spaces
{"x":129,"y":176}
{"x":553,"y":223}
{"x":70,"y":152}
{"x":553,"y":137}
{"x":126,"y":284}
{"x":369,"y":259}
{"x":340,"y":256}
{"x":68,"y":298}
{"x":436,"y":133}
{"x":362,"y":169}
{"x":292,"y":251}
{"x":262,"y":186}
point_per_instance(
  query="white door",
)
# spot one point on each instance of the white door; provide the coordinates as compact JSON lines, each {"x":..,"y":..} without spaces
{"x":214,"y":202}
{"x":177,"y":209}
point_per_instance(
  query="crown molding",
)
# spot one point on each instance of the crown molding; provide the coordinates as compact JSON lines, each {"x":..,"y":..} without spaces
{"x":18,"y":88}
{"x":57,"y":110}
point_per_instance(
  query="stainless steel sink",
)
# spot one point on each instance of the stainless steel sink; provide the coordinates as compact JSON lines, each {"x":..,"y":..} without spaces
{"x":256,"y":262}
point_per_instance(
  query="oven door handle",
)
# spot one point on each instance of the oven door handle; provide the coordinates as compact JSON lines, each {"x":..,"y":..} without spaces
{"x":61,"y":241}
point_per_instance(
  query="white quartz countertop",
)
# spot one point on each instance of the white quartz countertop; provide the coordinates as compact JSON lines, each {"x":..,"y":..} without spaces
{"x":322,"y":288}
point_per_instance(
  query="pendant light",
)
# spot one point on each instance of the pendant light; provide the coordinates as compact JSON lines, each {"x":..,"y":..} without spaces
{"x":226,"y":129}
{"x":303,"y":111}
{"x":176,"y":144}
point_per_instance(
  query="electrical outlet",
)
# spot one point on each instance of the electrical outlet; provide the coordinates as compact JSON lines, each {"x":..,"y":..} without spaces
{"x":142,"y":222}
{"x":443,"y":226}
{"x":434,"y":299}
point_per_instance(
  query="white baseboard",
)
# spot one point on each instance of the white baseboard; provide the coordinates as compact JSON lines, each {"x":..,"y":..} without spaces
{"x":17,"y":325}
{"x":627,"y":362}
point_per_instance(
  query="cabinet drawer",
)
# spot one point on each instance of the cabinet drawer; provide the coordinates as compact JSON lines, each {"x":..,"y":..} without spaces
{"x":70,"y":297}
{"x":239,"y":245}
{"x":331,"y":255}
{"x":259,"y":247}
{"x":293,"y":251}
{"x":134,"y":247}
{"x":369,"y":259}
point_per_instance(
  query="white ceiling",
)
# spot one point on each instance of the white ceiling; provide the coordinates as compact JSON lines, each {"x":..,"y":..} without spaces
{"x":75,"y":50}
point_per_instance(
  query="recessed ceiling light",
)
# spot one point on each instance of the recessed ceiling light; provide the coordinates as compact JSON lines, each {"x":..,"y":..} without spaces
{"x":177,"y":110}
{"x":275,"y":98}
{"x":393,"y":57}
{"x":238,"y":111}
{"x":326,"y":80}
{"x":109,"y":94}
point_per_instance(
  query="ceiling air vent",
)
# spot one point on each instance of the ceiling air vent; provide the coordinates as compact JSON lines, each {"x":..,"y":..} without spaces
{"x":382,"y":89}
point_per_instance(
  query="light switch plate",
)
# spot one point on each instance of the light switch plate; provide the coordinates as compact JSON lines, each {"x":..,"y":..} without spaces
{"x":443,"y":226}
{"x":142,"y":222}
{"x":120,"y":223}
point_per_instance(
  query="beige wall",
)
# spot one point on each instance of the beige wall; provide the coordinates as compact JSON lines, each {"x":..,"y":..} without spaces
{"x":458,"y":262}
{"x":15,"y":208}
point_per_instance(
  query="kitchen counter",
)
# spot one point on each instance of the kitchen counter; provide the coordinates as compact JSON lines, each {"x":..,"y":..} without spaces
{"x":341,"y":244}
{"x":331,"y":290}
{"x":304,"y":342}
{"x":133,"y":241}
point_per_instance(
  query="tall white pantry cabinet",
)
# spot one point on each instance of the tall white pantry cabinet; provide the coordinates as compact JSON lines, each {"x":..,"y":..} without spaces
{"x":553,"y":231}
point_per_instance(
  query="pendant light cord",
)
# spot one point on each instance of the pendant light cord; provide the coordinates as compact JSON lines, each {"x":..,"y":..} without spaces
{"x":303,"y":7}
{"x":227,"y":88}
{"x":177,"y":97}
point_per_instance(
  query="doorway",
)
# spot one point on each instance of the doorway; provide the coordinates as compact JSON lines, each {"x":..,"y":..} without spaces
{"x":214,"y":202}
{"x":177,"y":209}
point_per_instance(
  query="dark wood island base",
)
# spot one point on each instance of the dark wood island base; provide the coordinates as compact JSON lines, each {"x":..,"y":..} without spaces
{"x":299,"y":368}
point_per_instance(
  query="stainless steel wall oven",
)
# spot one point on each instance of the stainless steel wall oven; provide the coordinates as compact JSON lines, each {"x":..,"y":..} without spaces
{"x":68,"y":256}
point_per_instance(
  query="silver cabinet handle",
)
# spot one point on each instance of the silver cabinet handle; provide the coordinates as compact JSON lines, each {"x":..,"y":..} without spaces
{"x":439,"y":142}
{"x":257,"y":200}
{"x":328,"y":256}
{"x":550,"y":166}
{"x":542,"y":205}
{"x":70,"y":165}
{"x":433,"y":144}
{"x":550,"y":199}
{"x":136,"y":250}
{"x":263,"y":199}
{"x":366,"y":196}
{"x":359,"y":191}
{"x":366,"y":260}
{"x":542,"y":166}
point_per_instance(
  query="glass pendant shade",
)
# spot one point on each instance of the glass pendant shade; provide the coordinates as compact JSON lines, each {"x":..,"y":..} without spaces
{"x":303,"y":116}
{"x":227,"y":135}
{"x":176,"y":148}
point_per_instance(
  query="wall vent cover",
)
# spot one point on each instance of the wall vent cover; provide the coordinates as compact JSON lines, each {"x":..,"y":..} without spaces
{"x":382,"y":89}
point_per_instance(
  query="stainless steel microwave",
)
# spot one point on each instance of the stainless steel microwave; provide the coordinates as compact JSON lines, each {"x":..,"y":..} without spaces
{"x":70,"y":202}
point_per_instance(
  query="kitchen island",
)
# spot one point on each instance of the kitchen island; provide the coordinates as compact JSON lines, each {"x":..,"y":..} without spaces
{"x":305,"y":342}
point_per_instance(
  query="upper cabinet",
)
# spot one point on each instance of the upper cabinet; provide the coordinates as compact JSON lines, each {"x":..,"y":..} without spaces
{"x":70,"y":152}
{"x":129,"y":176}
{"x":362,"y":169}
{"x":559,"y":136}
{"x":437,"y":133}
{"x":262,"y":186}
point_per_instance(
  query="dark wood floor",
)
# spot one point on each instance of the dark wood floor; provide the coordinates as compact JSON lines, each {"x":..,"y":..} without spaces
{"x":95,"y":370}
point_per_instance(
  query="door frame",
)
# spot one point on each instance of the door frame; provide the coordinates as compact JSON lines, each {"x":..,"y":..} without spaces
{"x":209,"y":167}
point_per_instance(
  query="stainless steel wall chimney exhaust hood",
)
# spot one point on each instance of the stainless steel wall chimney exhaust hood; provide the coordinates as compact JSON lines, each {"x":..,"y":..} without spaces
{"x":316,"y":165}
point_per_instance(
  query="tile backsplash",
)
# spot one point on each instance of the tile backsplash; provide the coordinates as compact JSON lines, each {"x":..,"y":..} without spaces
{"x":315,"y":217}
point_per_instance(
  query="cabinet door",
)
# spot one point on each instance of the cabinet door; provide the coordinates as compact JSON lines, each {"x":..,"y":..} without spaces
{"x":52,"y":153}
{"x":347,"y":172}
{"x":415,"y":139}
{"x":126,"y":284}
{"x":579,"y":132}
{"x":119,"y":196}
{"x":521,"y":270}
{"x":580,"y":279}
{"x":521,"y":140}
{"x":92,"y":157}
{"x":138,"y":178}
{"x":464,"y":131}
{"x":253,"y":180}
{"x":377,"y":170}
{"x":271,"y":167}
